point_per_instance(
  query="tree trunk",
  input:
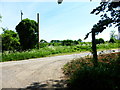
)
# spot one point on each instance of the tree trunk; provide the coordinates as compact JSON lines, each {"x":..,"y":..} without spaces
{"x":94,"y":50}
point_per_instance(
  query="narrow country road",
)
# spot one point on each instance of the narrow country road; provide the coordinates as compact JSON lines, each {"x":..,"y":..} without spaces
{"x":20,"y":74}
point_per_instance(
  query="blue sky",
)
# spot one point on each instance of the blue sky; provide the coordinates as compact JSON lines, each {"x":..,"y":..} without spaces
{"x":70,"y":20}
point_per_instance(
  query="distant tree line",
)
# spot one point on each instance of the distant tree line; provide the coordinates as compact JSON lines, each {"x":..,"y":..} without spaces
{"x":67,"y":42}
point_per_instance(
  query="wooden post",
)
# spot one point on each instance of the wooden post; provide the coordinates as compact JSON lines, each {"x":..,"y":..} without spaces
{"x":38,"y":28}
{"x":94,"y":50}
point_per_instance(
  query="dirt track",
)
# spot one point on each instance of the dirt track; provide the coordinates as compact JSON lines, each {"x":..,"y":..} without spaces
{"x":20,"y":74}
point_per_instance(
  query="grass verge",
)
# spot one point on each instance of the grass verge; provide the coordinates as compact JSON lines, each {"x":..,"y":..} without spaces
{"x":82,"y":75}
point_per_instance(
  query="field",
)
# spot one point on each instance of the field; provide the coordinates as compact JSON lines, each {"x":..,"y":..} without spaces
{"x":53,"y":50}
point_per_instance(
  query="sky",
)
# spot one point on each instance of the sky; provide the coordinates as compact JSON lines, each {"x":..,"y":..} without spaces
{"x":69,"y":20}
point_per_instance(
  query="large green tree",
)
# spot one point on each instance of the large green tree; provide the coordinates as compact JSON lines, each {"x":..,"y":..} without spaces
{"x":28,"y":33}
{"x":10,"y":40}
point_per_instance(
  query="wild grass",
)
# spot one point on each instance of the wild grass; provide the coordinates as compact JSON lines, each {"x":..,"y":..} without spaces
{"x":82,"y":75}
{"x":42,"y":52}
{"x":51,"y":50}
{"x":108,"y":45}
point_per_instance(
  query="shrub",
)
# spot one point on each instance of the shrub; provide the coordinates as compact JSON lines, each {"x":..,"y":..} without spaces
{"x":82,"y":75}
{"x":112,"y":40}
{"x":99,"y":41}
{"x":43,"y":45}
{"x":10,"y":40}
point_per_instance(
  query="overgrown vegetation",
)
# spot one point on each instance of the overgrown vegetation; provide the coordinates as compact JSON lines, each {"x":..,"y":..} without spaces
{"x":12,"y":50}
{"x":42,"y":52}
{"x":10,"y":40}
{"x":82,"y":74}
{"x":50,"y":50}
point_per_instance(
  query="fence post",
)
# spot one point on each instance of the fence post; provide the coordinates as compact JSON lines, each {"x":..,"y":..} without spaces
{"x":94,"y":50}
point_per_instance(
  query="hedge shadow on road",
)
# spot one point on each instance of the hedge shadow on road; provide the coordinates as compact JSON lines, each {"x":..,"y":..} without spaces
{"x":47,"y":85}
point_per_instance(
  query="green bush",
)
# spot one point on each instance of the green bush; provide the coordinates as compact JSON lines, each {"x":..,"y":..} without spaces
{"x":83,"y":75}
{"x":99,"y":41}
{"x":10,"y":40}
{"x":112,"y":40}
{"x":43,"y":45}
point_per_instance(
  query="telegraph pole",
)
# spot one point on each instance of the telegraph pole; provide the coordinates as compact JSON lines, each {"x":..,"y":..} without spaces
{"x":38,"y":28}
{"x":21,"y":15}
